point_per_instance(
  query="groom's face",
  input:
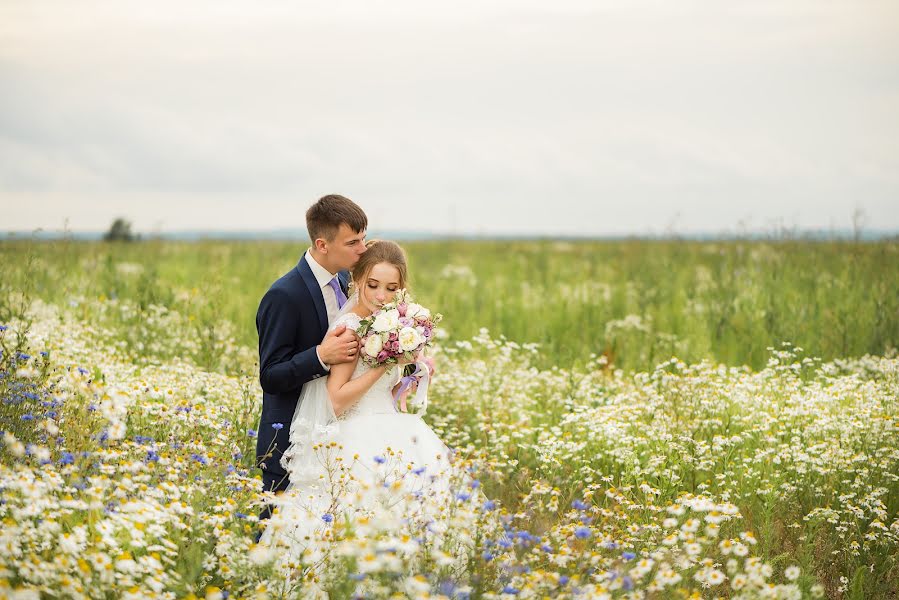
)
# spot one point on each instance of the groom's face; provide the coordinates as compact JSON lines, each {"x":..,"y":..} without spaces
{"x":346,"y":247}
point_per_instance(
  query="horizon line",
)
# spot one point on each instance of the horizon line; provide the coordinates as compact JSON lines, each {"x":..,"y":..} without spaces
{"x":293,"y":234}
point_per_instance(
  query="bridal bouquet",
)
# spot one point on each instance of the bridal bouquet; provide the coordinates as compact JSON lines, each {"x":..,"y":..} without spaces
{"x":401,"y":329}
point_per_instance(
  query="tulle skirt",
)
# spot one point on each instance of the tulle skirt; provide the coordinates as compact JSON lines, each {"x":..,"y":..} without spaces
{"x":370,"y":467}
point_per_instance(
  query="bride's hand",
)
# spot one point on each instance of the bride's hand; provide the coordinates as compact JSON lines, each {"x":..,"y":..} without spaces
{"x":417,"y":357}
{"x":403,"y":361}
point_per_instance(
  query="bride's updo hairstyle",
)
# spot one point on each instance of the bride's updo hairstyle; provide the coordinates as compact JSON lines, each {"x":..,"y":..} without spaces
{"x":379,"y":251}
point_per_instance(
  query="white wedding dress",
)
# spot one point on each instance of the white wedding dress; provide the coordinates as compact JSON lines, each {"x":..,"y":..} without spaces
{"x":360,"y":464}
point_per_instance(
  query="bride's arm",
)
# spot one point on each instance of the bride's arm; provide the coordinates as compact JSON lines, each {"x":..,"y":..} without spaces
{"x":343,"y":390}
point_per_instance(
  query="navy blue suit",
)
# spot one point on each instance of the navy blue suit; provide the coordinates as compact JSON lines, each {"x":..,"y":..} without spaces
{"x":291,"y":322}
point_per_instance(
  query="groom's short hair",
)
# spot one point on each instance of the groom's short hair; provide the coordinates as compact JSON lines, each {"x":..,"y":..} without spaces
{"x":323,"y":218}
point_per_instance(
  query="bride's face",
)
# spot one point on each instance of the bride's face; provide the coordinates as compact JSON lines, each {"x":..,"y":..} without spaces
{"x":380,"y":286}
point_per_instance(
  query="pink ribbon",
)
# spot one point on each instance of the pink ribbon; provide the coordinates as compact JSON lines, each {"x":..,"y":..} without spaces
{"x":405,"y":383}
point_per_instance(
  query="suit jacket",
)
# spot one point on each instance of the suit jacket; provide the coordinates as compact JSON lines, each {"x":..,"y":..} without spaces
{"x":291,"y":322}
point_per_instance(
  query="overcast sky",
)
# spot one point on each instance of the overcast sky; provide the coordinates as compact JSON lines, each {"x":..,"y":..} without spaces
{"x":554,"y":117}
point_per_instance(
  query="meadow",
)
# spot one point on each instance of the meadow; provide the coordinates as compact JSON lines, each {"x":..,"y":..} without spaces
{"x":639,"y":419}
{"x":640,"y":302}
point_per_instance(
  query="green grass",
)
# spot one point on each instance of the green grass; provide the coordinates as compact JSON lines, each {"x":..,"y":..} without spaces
{"x":726,"y":301}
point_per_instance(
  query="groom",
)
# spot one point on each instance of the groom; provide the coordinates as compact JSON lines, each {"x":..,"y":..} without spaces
{"x":292,"y":320}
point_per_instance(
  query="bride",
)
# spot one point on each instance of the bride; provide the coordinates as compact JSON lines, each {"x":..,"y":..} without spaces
{"x":352,"y":452}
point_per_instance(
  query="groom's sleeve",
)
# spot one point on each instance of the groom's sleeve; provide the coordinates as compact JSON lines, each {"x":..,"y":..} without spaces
{"x":281,"y":369}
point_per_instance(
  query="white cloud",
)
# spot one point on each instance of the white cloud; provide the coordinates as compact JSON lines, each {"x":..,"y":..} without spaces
{"x":623,"y":115}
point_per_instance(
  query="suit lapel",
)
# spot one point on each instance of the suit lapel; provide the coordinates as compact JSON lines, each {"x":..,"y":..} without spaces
{"x":316,"y":292}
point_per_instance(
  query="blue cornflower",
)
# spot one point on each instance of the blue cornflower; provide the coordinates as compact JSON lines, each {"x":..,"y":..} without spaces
{"x":627,"y":584}
{"x":23,"y":356}
{"x":327,"y":517}
{"x":357,"y":576}
{"x":83,"y":371}
{"x":52,"y":414}
{"x":526,"y":536}
{"x":446,"y":588}
{"x":577,"y":504}
{"x":582,"y":533}
{"x":91,"y":407}
{"x":510,"y":590}
{"x":199,"y":458}
{"x":489,"y":505}
{"x":464,"y":496}
{"x":547,"y":548}
{"x":28,"y":417}
{"x":67,"y":458}
{"x":152,"y":456}
{"x":475,"y":484}
{"x":241,"y":515}
{"x":277,"y":426}
{"x":487,"y":556}
{"x":251,"y":433}
{"x":419,"y":470}
{"x":564,"y":580}
{"x":3,"y":327}
{"x":628,"y":555}
{"x":380,"y":460}
{"x":45,"y":353}
{"x":504,"y":543}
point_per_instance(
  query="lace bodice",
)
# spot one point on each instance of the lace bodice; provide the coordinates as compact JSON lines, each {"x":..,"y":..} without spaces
{"x":378,"y":399}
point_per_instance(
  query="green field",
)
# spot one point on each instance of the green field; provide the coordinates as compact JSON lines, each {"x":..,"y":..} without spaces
{"x":639,"y":302}
{"x":695,"y":420}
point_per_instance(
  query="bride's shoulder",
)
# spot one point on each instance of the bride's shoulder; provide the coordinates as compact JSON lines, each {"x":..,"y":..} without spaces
{"x":350,"y":319}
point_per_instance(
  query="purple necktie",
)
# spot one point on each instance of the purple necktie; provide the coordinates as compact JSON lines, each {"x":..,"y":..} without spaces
{"x":338,"y":293}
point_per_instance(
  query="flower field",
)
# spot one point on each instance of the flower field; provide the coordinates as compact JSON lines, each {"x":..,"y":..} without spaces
{"x":613,"y":438}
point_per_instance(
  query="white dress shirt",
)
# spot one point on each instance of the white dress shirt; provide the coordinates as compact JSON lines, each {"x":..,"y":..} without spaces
{"x":324,"y":277}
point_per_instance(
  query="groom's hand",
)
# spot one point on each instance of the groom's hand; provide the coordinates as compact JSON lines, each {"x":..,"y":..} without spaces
{"x":339,"y":346}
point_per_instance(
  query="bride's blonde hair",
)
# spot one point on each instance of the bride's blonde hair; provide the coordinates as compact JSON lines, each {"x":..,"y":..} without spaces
{"x":379,"y":251}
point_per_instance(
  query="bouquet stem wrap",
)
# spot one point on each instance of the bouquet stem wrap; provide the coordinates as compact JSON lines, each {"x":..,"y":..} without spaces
{"x":419,"y":403}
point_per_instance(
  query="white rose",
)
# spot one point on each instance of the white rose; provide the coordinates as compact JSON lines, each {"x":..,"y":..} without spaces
{"x":386,"y":320}
{"x":412,"y":309}
{"x":410,"y":339}
{"x":373,"y":345}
